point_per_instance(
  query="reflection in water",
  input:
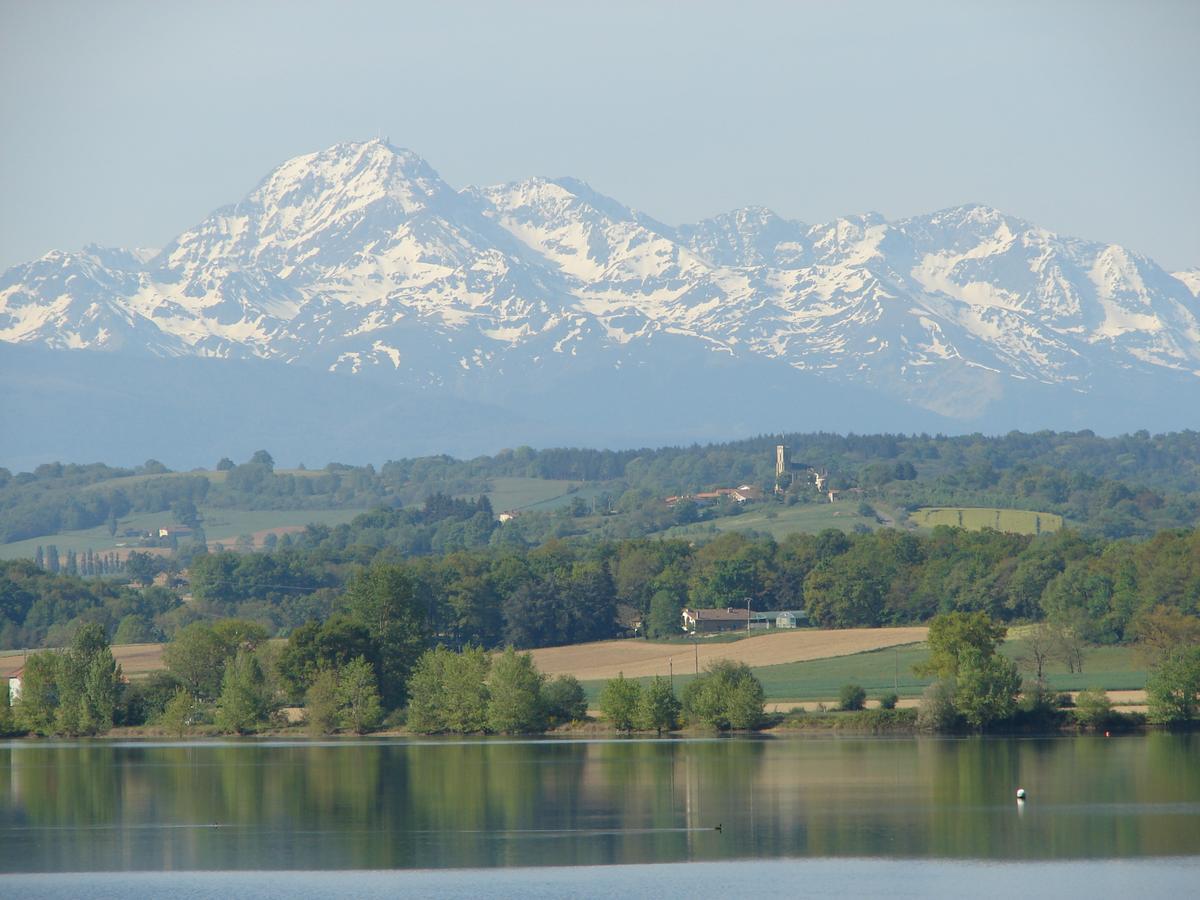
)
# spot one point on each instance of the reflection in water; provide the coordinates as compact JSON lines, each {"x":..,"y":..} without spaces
{"x":432,"y":804}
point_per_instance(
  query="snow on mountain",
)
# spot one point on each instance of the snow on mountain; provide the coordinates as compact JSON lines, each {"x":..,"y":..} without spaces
{"x":1190,"y":279}
{"x":360,"y":258}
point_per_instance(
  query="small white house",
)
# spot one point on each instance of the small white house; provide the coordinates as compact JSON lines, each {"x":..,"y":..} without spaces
{"x":14,"y":687}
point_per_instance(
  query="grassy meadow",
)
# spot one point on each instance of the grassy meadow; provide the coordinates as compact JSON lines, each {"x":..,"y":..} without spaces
{"x":1016,"y":521}
{"x":891,"y":669}
{"x":220,"y":526}
{"x":519,"y":494}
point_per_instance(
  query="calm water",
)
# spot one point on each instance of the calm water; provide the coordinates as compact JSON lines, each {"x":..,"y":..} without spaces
{"x":442,"y":804}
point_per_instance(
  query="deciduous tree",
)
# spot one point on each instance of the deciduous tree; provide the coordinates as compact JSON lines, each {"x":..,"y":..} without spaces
{"x":244,"y":704}
{"x":359,"y":709}
{"x":515,"y":686}
{"x":658,"y":708}
{"x":619,"y":700}
{"x":384,"y":599}
{"x":1173,"y":689}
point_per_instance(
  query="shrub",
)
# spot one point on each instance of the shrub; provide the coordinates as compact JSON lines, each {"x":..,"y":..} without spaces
{"x":181,"y":713}
{"x":564,"y":699}
{"x":727,"y":695}
{"x":1093,"y":709}
{"x":889,"y":700}
{"x":937,"y":711}
{"x":851,"y":697}
{"x":144,"y":700}
{"x":1038,"y":701}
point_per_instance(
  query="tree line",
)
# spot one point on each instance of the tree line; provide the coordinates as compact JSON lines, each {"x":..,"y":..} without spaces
{"x":566,"y":592}
{"x":378,"y":658}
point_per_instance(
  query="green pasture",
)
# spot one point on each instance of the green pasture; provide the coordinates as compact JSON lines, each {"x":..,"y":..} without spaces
{"x":537,"y":494}
{"x":976,"y":518}
{"x":891,"y":669}
{"x":779,"y":520}
{"x":220,"y":526}
{"x":131,"y":480}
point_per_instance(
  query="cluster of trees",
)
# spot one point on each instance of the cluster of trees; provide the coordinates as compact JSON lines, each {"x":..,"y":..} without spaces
{"x":344,"y":698}
{"x":469,"y":692}
{"x":727,"y":696}
{"x":73,"y":563}
{"x":73,"y":692}
{"x":977,"y":687}
{"x":975,"y":684}
{"x":566,"y":592}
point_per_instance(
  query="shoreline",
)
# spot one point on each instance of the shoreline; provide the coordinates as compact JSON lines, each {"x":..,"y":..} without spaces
{"x":841,"y":724}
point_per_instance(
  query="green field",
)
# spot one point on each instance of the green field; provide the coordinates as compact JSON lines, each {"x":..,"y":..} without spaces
{"x":517,"y":494}
{"x":220,"y":526}
{"x":880,"y":671}
{"x":976,"y":518}
{"x":779,"y":521}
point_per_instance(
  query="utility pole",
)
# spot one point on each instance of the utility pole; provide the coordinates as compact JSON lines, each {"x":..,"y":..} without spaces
{"x":696,"y":648}
{"x":747,"y":615}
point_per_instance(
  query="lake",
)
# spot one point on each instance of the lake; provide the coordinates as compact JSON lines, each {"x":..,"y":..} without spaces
{"x":928,"y":805}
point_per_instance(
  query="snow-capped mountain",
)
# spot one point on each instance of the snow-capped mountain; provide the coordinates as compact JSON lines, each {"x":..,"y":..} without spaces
{"x":360,"y":259}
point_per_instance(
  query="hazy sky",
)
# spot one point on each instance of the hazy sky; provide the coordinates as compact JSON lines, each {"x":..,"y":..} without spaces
{"x":124,"y":123}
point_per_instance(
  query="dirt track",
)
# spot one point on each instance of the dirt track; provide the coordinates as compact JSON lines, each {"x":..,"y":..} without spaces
{"x":637,"y":658}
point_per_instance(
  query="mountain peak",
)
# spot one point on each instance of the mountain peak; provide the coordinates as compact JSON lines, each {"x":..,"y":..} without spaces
{"x":360,"y":258}
{"x":358,"y":171}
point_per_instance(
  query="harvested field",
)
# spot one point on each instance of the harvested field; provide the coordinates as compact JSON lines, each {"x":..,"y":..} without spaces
{"x":138,"y":659}
{"x":639,"y":659}
{"x":135,"y":659}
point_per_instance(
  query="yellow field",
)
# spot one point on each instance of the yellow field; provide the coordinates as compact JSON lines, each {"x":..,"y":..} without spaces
{"x":637,"y":658}
{"x":976,"y":518}
{"x":135,"y":659}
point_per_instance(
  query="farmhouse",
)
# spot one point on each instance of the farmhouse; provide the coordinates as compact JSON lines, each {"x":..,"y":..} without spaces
{"x":711,"y":621}
{"x":743,"y":493}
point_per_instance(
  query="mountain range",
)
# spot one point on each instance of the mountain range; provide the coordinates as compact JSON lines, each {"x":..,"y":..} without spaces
{"x":356,"y":305}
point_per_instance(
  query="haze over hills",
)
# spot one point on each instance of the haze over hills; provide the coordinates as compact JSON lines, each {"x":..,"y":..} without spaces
{"x":355,"y":306}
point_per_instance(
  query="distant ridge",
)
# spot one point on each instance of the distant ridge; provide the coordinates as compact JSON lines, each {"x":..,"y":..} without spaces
{"x":550,"y":303}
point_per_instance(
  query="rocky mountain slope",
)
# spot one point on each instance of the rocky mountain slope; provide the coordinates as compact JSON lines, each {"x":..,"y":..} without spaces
{"x":360,"y":260}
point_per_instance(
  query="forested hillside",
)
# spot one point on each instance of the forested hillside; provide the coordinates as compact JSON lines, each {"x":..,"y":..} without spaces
{"x":570,"y":591}
{"x":1116,"y":487}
